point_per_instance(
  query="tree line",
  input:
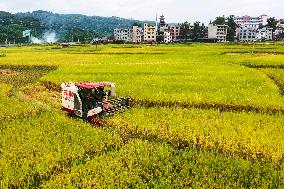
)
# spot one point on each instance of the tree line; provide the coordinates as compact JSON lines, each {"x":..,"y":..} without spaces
{"x":12,"y":27}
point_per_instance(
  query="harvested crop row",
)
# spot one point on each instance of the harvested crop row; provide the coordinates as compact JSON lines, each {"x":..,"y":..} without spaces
{"x":250,"y":135}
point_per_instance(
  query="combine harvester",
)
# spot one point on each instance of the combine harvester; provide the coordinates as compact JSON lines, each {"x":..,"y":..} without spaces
{"x":91,"y":101}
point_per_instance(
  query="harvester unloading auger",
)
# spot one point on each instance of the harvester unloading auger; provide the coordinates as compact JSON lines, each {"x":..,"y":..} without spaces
{"x":91,"y":101}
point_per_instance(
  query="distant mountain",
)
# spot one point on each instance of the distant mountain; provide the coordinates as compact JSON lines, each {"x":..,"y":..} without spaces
{"x":66,"y":26}
{"x":63,"y":24}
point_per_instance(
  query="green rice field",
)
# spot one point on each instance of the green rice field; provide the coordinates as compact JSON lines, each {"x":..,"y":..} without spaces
{"x":204,"y":116}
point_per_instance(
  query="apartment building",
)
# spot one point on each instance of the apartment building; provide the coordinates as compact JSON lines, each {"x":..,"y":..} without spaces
{"x":218,"y":32}
{"x":246,"y":33}
{"x":123,"y":35}
{"x":263,"y":19}
{"x":254,"y":34}
{"x":279,"y":32}
{"x":137,"y":34}
{"x":167,"y":36}
{"x":150,"y":33}
{"x":264,"y":34}
{"x":249,"y":28}
{"x":251,"y":22}
{"x":248,"y":21}
{"x":175,"y":31}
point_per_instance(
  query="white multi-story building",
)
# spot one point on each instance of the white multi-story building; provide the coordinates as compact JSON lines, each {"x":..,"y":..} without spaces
{"x":279,"y":32}
{"x":123,"y":35}
{"x":254,"y":34}
{"x":167,"y":36}
{"x":246,"y":33}
{"x":263,"y":19}
{"x":250,"y":22}
{"x":264,"y":34}
{"x":175,"y":31}
{"x":150,"y":33}
{"x":163,"y":28}
{"x":248,"y":28}
{"x":137,"y":34}
{"x":218,"y":32}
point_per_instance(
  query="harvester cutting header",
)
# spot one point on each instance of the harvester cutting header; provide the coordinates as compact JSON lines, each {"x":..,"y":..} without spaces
{"x":90,"y":100}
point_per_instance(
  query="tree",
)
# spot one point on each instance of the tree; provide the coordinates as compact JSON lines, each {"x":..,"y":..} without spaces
{"x":15,"y":33}
{"x":61,"y":23}
{"x":79,"y":34}
{"x":229,"y":21}
{"x":198,"y":30}
{"x":3,"y":37}
{"x":137,"y":24}
{"x":219,"y":20}
{"x":184,"y":30}
{"x":195,"y":30}
{"x":12,"y":27}
{"x":33,"y":24}
{"x":272,"y":23}
{"x":203,"y":31}
{"x":7,"y":18}
{"x":232,"y":26}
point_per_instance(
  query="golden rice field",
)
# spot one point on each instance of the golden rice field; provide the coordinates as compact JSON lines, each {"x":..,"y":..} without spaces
{"x":204,"y":116}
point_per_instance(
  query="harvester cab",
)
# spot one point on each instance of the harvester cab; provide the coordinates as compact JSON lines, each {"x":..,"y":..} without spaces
{"x":89,"y":100}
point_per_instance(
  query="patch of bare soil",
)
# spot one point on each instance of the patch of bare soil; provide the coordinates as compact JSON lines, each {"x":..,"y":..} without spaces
{"x":7,"y":72}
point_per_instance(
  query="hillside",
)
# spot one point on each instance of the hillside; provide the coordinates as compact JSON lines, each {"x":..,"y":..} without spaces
{"x":66,"y":26}
{"x":12,"y":26}
{"x":62,"y":23}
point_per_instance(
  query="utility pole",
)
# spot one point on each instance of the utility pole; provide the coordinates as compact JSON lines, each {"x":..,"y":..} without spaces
{"x":252,"y":51}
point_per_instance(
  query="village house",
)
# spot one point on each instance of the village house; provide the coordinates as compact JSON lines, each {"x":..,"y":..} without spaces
{"x":218,"y":32}
{"x":121,"y":34}
{"x":150,"y":33}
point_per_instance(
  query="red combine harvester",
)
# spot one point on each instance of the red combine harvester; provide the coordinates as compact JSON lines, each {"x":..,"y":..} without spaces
{"x":90,"y":100}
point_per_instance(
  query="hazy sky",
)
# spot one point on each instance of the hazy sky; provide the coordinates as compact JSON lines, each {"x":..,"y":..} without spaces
{"x":174,"y":10}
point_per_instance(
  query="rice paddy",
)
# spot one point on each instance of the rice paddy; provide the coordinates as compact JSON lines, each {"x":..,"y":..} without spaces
{"x":204,"y":116}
